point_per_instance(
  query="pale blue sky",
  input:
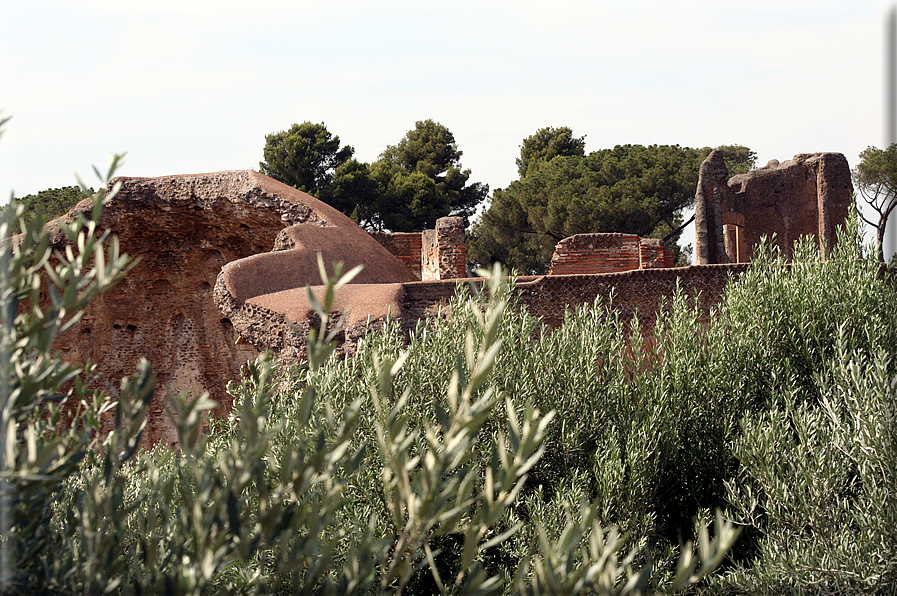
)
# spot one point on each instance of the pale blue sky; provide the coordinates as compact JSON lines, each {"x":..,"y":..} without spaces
{"x":194,"y":86}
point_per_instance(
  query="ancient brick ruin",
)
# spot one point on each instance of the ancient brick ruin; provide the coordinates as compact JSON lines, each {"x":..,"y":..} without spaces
{"x":808,"y":195}
{"x":432,"y":254}
{"x":441,"y":254}
{"x":225,"y":260}
{"x":608,"y":253}
{"x":405,"y":246}
{"x":184,"y":229}
{"x":266,"y":299}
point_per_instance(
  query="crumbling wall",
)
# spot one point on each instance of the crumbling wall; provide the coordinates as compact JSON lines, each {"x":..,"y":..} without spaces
{"x":608,"y":253}
{"x":440,"y":253}
{"x":444,"y":254}
{"x":630,"y":294}
{"x":183,"y":230}
{"x":627,"y":294}
{"x":405,"y":246}
{"x":810,"y":194}
{"x":653,"y":254}
{"x":710,"y":198}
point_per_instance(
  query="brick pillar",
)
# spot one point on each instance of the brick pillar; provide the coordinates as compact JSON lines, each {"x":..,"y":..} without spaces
{"x":730,"y":232}
{"x":443,"y":253}
{"x":653,"y":254}
{"x":452,"y":250}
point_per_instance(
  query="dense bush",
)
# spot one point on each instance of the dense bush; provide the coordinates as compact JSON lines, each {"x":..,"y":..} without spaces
{"x":817,"y":446}
{"x":656,"y":431}
{"x":479,"y":455}
{"x":52,"y":203}
{"x":332,"y":477}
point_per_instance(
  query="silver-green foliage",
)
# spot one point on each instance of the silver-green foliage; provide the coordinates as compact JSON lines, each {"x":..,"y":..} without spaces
{"x":269,"y":501}
{"x":478,"y":455}
{"x":652,"y":433}
{"x":601,"y":449}
{"x":816,"y":482}
{"x":38,"y":452}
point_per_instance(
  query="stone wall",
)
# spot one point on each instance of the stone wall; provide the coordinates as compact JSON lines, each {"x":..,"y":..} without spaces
{"x":629,"y":294}
{"x":608,"y":253}
{"x":440,"y":253}
{"x":183,"y":230}
{"x":637,"y":293}
{"x":209,"y":292}
{"x":809,"y":195}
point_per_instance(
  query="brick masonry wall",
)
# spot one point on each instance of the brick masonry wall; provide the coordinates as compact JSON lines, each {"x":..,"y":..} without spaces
{"x":608,"y":253}
{"x":443,"y":252}
{"x":406,"y":246}
{"x":452,"y":248}
{"x":632,"y":295}
{"x":809,"y":195}
{"x":638,"y":293}
{"x":653,"y":254}
{"x":435,"y":254}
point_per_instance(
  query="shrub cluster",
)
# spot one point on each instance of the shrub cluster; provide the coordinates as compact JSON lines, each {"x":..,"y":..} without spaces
{"x":307,"y":487}
{"x":477,"y":456}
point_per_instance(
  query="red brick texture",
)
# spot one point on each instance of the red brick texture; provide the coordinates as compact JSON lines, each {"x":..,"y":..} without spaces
{"x":451,"y":251}
{"x":435,"y":254}
{"x":638,"y":293}
{"x":405,"y":246}
{"x":608,"y":253}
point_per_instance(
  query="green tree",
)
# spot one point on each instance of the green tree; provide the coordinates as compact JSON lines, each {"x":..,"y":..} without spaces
{"x":631,"y":188}
{"x":876,"y":178}
{"x":411,"y":185}
{"x":305,"y":157}
{"x":355,"y":192}
{"x":53,"y":202}
{"x":548,"y":143}
{"x":430,"y":150}
{"x":408,"y":201}
{"x":739,"y":159}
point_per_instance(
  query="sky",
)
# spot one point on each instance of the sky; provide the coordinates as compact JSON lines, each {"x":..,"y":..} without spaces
{"x":191,"y":86}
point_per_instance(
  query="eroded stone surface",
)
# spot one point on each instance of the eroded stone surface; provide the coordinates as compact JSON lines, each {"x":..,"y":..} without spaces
{"x":810,"y":194}
{"x":265,"y":296}
{"x":183,"y":229}
{"x":711,"y":195}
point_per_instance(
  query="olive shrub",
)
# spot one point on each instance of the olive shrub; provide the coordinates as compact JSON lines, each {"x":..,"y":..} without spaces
{"x":477,"y":455}
{"x":328,"y":477}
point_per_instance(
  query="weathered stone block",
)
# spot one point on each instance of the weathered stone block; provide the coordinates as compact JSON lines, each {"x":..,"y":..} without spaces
{"x":808,"y":195}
